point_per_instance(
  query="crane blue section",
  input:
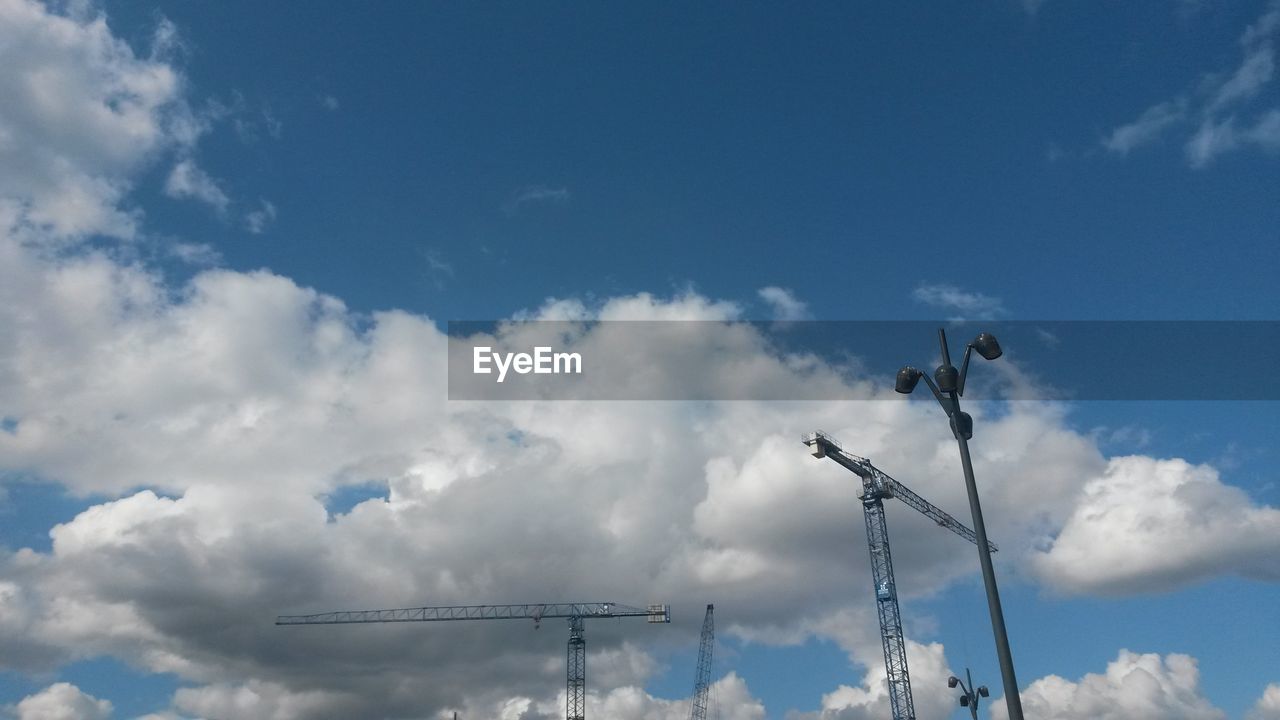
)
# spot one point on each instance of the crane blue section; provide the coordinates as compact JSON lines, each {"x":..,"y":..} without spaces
{"x":702,"y":681}
{"x":876,"y":488}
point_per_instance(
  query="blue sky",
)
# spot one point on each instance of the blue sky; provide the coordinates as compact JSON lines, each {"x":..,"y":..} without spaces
{"x":233,"y":234}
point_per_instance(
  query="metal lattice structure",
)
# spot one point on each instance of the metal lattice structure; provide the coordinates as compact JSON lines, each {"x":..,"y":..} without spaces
{"x":876,"y":488}
{"x":702,"y":682}
{"x":575,"y":697}
{"x":576,"y":613}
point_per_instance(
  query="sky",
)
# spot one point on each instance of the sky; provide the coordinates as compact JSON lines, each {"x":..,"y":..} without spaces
{"x":232,"y":236}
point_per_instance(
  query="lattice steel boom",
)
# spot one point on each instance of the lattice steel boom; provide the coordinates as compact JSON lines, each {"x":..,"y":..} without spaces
{"x":535,"y":612}
{"x":876,"y":487}
{"x":576,"y":613}
{"x":702,"y":684}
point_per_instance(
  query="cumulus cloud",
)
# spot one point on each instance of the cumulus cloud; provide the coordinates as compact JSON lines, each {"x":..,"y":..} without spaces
{"x":1218,"y":108}
{"x":1268,"y":706}
{"x":783,"y":304}
{"x":244,"y":399}
{"x":1134,"y":687}
{"x":971,"y":305}
{"x":256,"y":699}
{"x":82,"y":113}
{"x":1141,"y":527}
{"x":62,"y":701}
{"x":870,"y":701}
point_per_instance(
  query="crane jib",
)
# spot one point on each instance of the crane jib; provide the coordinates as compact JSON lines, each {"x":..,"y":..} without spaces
{"x":876,"y":488}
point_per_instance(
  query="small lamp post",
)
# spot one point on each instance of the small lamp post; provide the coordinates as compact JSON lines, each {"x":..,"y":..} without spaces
{"x":971,"y":694}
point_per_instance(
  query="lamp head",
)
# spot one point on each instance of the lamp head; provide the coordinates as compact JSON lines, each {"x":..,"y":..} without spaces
{"x":984,"y":692}
{"x":987,"y":346}
{"x":947,"y":378}
{"x":907,"y":379}
{"x":952,"y":681}
{"x":964,"y":701}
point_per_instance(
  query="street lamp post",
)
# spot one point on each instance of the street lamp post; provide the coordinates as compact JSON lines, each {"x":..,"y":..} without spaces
{"x":948,"y":386}
{"x":971,"y":694}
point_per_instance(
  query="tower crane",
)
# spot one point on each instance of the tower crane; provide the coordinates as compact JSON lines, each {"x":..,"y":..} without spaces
{"x":876,"y":488}
{"x":702,"y":683}
{"x":576,"y":613}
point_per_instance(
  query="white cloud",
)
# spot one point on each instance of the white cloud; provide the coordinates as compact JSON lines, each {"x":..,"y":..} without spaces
{"x":1256,"y":70}
{"x":1266,"y":133}
{"x":257,"y":699}
{"x":245,"y":399}
{"x":187,"y":180}
{"x":732,"y":699}
{"x":1268,"y":706}
{"x":62,"y":701}
{"x":1262,"y":29}
{"x":1216,"y":106}
{"x":257,"y":221}
{"x":784,"y":304}
{"x":195,"y":253}
{"x":81,"y":114}
{"x":536,"y":195}
{"x":329,"y":102}
{"x":1147,"y":525}
{"x":274,"y":125}
{"x":1216,"y":138}
{"x":870,"y":701}
{"x":971,"y":305}
{"x":1146,"y":129}
{"x":439,"y":270}
{"x":1134,"y":687}
{"x":1211,"y":140}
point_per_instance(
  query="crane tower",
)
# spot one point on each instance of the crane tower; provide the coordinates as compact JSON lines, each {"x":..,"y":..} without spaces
{"x":702,"y":682}
{"x":876,"y":488}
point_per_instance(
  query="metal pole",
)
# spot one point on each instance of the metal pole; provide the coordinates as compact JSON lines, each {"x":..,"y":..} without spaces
{"x":947,"y":385}
{"x":1011,"y":697}
{"x":971,"y":691}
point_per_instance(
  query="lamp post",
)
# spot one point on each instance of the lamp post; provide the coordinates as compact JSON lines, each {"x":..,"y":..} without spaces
{"x":948,"y":386}
{"x":971,"y":694}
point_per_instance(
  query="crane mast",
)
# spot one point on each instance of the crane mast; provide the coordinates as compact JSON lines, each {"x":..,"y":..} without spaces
{"x":876,"y":488}
{"x":575,"y":613}
{"x":702,"y":682}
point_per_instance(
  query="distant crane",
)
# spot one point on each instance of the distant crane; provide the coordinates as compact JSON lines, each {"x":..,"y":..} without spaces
{"x":576,"y":613}
{"x":702,"y":681}
{"x":876,"y":487}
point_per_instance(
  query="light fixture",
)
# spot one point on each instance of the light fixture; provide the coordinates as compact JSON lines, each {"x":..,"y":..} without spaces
{"x":987,"y":346}
{"x":907,"y":379}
